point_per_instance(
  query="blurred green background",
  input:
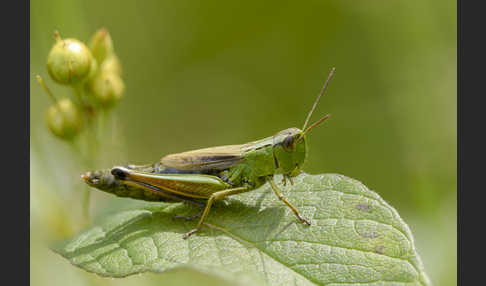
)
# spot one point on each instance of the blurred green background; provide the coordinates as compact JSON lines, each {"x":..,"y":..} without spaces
{"x":206,"y":73}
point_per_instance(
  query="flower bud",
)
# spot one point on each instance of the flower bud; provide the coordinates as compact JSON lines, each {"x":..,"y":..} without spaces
{"x":112,"y":65}
{"x":64,"y":120}
{"x":107,"y":88}
{"x":69,"y":61}
{"x":101,"y":45}
{"x":93,"y":69}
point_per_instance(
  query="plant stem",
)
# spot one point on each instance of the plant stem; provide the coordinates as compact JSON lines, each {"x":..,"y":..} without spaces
{"x":86,"y":204}
{"x":44,"y":86}
{"x":85,"y":161}
{"x":78,"y":91}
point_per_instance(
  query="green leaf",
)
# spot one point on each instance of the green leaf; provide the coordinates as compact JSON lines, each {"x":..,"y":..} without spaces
{"x":355,"y":238}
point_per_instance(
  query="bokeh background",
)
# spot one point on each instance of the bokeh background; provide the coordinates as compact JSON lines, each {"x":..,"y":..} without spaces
{"x":206,"y":73}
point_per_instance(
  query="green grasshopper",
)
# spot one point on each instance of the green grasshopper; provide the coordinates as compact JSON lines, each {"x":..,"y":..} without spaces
{"x":202,"y":176}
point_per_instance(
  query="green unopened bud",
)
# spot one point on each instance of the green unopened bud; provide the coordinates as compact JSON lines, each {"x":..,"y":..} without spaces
{"x":107,"y":89}
{"x":112,"y":65}
{"x":69,"y":61}
{"x":101,"y":45}
{"x":93,"y":69}
{"x":64,"y":119}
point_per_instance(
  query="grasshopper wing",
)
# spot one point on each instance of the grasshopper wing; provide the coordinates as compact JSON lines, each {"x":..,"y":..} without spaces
{"x":214,"y":158}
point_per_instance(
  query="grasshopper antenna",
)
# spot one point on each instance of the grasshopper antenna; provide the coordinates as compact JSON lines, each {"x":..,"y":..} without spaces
{"x":317,"y":101}
{"x":314,"y":125}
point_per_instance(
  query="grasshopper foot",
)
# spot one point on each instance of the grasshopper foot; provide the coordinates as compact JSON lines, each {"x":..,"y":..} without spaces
{"x":304,"y":221}
{"x":190,"y":233}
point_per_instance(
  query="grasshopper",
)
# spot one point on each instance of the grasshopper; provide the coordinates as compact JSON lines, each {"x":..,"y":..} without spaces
{"x":202,"y":176}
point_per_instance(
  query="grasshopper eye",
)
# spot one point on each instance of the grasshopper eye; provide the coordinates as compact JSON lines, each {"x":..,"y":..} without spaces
{"x":288,"y":144}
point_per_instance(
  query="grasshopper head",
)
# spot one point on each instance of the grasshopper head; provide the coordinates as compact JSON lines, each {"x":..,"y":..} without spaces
{"x":289,"y":150}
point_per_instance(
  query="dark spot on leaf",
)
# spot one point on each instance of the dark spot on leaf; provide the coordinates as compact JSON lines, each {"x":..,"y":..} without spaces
{"x":364,"y":207}
{"x":380,"y":249}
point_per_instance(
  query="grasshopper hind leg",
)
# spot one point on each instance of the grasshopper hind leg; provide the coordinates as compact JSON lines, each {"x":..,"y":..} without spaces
{"x":215,"y":196}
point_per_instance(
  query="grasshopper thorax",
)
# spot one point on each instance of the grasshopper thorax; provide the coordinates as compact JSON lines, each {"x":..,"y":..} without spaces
{"x":289,"y":151}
